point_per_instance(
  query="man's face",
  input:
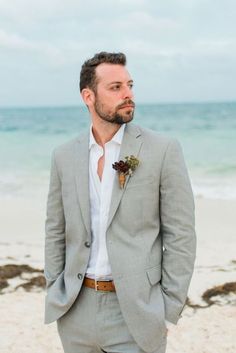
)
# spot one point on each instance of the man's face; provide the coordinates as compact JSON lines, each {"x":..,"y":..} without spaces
{"x":114,"y":97}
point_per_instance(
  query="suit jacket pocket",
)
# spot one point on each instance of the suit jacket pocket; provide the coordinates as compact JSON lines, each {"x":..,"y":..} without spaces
{"x":51,"y":281}
{"x":139,"y":182}
{"x":154,"y":274}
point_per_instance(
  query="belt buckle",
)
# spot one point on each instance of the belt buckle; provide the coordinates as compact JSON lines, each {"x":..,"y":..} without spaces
{"x":96,"y":285}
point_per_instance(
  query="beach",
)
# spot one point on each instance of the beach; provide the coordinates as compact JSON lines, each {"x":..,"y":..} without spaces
{"x":203,"y":328}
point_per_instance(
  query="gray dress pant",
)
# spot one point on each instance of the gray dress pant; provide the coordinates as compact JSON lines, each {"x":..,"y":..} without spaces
{"x":95,"y":324}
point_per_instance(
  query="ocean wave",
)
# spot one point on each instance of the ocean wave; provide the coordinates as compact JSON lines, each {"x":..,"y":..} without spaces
{"x":222,"y":169}
{"x":29,"y":185}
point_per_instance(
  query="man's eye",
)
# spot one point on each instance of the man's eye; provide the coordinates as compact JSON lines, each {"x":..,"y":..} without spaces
{"x":115,"y":88}
{"x":131,"y":85}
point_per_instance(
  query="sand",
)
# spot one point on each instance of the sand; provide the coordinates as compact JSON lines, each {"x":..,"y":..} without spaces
{"x":200,"y":330}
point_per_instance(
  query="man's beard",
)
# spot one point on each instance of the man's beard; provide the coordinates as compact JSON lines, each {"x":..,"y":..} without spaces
{"x":116,"y":117}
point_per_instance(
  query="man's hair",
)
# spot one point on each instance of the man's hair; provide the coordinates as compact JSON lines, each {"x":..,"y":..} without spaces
{"x":88,"y":77}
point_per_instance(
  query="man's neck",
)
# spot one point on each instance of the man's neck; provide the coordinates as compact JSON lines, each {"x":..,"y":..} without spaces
{"x":104,"y":131}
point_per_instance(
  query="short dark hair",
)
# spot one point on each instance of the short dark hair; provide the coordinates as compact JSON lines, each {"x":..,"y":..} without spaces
{"x":88,"y":74}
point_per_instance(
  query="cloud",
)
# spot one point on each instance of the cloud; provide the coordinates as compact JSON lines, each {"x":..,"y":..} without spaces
{"x":144,"y":20}
{"x":28,"y":12}
{"x":14,"y":41}
{"x":224,"y":46}
{"x":49,"y":52}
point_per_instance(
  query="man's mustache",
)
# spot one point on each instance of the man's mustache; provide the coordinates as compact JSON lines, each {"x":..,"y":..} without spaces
{"x":127,"y":102}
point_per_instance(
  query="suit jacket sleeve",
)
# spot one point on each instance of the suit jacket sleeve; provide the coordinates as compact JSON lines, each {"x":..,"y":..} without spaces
{"x":178,"y":231}
{"x":54,"y":228}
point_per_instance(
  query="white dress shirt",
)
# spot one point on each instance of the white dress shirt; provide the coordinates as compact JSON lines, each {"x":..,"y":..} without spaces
{"x":100,"y":199}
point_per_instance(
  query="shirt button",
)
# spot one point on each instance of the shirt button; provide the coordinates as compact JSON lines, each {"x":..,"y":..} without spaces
{"x":80,"y":276}
{"x":87,"y":244}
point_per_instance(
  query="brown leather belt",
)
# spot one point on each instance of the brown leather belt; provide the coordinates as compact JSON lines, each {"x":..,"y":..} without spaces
{"x":99,"y":285}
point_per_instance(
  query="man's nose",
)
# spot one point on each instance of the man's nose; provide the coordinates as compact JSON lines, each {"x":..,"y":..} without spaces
{"x":127,"y":93}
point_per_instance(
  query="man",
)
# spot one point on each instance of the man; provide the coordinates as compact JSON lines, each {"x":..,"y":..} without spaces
{"x":118,"y":260}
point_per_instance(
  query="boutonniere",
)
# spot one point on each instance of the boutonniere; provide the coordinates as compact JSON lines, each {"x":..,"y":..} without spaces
{"x":125,"y":168}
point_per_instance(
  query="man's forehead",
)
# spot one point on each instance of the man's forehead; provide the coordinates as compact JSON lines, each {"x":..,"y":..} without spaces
{"x":112,"y":73}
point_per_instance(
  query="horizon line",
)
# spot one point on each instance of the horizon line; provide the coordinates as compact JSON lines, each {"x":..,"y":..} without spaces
{"x":137,"y":104}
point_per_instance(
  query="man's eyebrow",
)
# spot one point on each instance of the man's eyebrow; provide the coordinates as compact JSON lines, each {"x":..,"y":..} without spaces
{"x":119,"y":82}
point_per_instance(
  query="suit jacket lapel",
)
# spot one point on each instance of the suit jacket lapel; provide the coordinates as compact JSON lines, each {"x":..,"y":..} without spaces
{"x":82,"y":178}
{"x":131,"y":145}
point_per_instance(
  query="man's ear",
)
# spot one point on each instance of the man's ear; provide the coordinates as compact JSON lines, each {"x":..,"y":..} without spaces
{"x":88,"y":96}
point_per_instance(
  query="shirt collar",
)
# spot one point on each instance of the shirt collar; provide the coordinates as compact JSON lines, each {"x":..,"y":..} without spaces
{"x":116,"y":138}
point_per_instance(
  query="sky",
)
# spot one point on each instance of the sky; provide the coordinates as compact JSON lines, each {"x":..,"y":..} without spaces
{"x":177,"y":51}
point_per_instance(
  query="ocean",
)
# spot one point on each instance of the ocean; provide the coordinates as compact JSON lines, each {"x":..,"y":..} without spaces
{"x":206,"y":131}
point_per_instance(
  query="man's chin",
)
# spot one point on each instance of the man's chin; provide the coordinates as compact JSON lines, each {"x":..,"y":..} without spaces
{"x":124,"y":120}
{"x":125,"y":117}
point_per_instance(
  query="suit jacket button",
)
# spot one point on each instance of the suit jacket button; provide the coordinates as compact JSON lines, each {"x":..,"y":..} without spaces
{"x":80,"y":276}
{"x":87,"y":244}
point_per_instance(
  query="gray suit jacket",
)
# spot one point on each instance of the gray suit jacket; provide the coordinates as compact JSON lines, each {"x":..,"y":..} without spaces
{"x":150,"y":233}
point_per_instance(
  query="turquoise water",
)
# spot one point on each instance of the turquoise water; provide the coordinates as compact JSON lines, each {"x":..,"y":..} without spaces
{"x":207,"y":133}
